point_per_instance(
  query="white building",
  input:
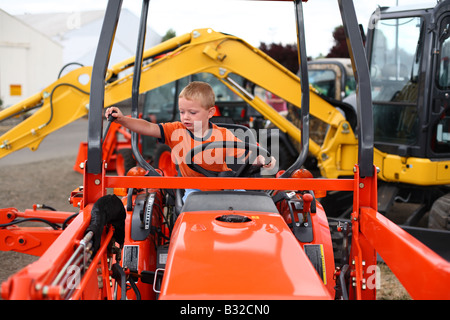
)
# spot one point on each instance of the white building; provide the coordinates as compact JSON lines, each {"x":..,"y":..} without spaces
{"x":29,"y":60}
{"x":58,"y":39}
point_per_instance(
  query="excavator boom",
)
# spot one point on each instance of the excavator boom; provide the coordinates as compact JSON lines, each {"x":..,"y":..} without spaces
{"x":67,"y":99}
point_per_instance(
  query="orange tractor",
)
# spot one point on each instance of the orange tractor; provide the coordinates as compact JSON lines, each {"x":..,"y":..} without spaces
{"x":134,"y":239}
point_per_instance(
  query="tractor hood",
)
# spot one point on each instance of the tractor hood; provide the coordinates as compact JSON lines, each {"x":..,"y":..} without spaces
{"x":237,"y":254}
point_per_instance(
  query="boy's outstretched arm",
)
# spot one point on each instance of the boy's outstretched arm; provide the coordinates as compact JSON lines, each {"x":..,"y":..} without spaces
{"x":139,"y":126}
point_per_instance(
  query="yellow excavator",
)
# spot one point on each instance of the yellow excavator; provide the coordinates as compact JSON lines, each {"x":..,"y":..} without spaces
{"x":332,"y":77}
{"x":407,"y":49}
{"x":229,"y":61}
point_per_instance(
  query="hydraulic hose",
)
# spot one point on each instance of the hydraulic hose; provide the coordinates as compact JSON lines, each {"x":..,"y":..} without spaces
{"x":51,"y":100}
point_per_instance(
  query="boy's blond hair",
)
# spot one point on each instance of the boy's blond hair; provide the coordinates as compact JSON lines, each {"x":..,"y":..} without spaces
{"x":200,"y":91}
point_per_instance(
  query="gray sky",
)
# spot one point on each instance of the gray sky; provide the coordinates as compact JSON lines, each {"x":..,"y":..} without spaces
{"x":253,"y":21}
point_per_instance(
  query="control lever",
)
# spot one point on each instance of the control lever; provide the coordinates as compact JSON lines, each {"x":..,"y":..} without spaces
{"x":111,"y":119}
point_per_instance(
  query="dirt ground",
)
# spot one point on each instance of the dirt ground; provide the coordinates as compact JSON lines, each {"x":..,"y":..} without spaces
{"x":46,"y":182}
{"x":41,"y":177}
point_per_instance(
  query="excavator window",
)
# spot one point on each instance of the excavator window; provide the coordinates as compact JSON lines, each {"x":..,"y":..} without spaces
{"x":444,"y":78}
{"x":441,"y":131}
{"x":394,"y":67}
{"x":323,"y":81}
{"x":444,"y":59}
{"x":441,"y":144}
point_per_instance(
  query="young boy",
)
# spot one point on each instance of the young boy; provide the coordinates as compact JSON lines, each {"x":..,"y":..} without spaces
{"x":196,"y":105}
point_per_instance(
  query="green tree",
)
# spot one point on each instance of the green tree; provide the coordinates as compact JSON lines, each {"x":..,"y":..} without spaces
{"x":169,"y":34}
{"x":285,"y":55}
{"x":340,"y":49}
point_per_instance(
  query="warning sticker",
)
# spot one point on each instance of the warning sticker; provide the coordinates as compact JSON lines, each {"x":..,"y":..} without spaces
{"x":317,"y":258}
{"x":131,"y":257}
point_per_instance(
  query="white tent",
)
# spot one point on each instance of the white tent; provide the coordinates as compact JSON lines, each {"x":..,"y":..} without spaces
{"x":78,"y":33}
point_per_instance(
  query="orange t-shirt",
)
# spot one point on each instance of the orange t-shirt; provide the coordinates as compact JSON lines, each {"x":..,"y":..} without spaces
{"x":181,"y":141}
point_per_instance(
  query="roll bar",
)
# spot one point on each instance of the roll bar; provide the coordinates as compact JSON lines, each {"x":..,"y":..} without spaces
{"x":96,"y":99}
{"x":359,"y":64}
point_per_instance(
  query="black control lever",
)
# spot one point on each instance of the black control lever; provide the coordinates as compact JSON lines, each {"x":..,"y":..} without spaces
{"x":111,"y":119}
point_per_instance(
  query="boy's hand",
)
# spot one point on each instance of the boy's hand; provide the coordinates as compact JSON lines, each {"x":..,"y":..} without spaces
{"x":261,"y":161}
{"x":113,"y":112}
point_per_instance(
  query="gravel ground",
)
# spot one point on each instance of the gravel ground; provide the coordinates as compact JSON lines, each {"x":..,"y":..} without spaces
{"x":46,"y":182}
{"x":44,"y":176}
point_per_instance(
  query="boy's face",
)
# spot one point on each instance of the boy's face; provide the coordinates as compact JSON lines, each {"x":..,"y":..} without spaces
{"x":193,"y":115}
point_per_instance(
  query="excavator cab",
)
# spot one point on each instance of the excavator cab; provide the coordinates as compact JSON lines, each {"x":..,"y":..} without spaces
{"x":409,"y":85}
{"x":408,"y":52}
{"x":406,"y":49}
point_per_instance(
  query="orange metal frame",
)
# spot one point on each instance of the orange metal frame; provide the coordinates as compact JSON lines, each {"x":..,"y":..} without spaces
{"x":39,"y":274}
{"x":371,"y":231}
{"x":29,"y":240}
{"x":424,"y":274}
{"x":111,"y":147}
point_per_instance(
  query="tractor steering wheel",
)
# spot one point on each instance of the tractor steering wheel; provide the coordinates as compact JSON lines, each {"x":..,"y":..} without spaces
{"x":245,"y":169}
